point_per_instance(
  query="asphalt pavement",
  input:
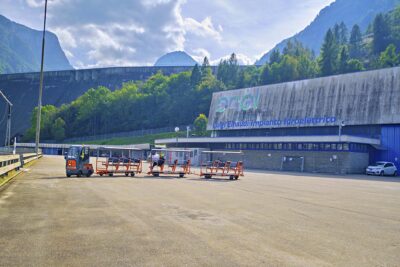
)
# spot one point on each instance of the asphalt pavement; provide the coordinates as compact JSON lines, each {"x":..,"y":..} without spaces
{"x":263,"y":219}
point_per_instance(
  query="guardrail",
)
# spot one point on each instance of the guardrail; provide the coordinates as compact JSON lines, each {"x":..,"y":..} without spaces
{"x":10,"y":163}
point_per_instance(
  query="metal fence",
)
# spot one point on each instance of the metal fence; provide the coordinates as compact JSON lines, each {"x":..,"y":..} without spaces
{"x":136,"y":133}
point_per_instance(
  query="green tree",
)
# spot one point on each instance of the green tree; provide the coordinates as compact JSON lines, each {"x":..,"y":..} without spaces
{"x":58,"y":129}
{"x":389,"y":58}
{"x":200,"y":125}
{"x":343,"y":60}
{"x":288,"y":69}
{"x":355,"y":43}
{"x":228,"y":71}
{"x":343,"y":34}
{"x":275,"y":57}
{"x":265,"y":76}
{"x":354,"y":65}
{"x":205,"y":69}
{"x":381,"y":34}
{"x":329,"y":54}
{"x":195,"y":77}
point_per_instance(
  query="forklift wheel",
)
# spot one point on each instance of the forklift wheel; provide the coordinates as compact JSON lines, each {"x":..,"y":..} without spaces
{"x":110,"y":174}
{"x":156,"y":174}
{"x":79,"y":174}
{"x":231,"y":177}
{"x":127,"y":174}
{"x":236,"y":177}
{"x":132,"y":174}
{"x":181,"y":175}
{"x":68,"y":175}
{"x":88,"y":174}
{"x":101,"y":174}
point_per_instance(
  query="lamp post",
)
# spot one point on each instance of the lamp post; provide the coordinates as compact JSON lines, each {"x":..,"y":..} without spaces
{"x":39,"y":110}
{"x":8,"y":127}
{"x":176,"y":131}
{"x":341,"y":125}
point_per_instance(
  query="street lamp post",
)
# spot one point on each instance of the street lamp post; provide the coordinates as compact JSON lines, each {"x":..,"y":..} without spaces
{"x":39,"y":110}
{"x":176,"y":131}
{"x":8,"y":127}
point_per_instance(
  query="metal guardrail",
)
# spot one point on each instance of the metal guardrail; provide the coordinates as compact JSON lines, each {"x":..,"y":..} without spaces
{"x":14,"y":162}
{"x":9,"y":163}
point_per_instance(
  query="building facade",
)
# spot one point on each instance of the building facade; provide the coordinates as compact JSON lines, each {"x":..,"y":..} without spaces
{"x":336,"y":124}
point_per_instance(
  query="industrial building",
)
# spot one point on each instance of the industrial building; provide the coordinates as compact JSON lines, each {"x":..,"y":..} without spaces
{"x":336,"y":124}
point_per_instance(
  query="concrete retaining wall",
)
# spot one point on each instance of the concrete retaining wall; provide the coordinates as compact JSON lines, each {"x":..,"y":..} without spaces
{"x":314,"y":161}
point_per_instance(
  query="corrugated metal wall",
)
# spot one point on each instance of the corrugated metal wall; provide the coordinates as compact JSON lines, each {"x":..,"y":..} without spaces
{"x":390,"y":137}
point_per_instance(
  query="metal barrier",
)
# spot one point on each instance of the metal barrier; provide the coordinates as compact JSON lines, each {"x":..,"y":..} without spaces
{"x":14,"y":162}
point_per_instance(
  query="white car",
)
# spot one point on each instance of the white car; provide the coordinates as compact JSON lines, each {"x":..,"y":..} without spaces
{"x":382,"y":168}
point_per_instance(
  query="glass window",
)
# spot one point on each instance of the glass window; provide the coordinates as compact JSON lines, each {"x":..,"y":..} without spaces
{"x":299,"y":146}
{"x":339,"y":147}
{"x":280,"y":146}
{"x":327,"y":146}
{"x":346,"y":147}
{"x":333,"y":146}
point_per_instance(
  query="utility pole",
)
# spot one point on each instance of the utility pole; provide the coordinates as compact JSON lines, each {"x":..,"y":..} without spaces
{"x":39,"y":110}
{"x":8,"y":128}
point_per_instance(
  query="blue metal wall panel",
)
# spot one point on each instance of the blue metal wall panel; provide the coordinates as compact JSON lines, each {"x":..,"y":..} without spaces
{"x":390,"y":140}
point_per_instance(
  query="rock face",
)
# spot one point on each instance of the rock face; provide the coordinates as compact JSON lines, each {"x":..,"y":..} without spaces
{"x":361,"y":12}
{"x":364,"y":98}
{"x":20,"y":49}
{"x":63,"y":87}
{"x":178,"y":58}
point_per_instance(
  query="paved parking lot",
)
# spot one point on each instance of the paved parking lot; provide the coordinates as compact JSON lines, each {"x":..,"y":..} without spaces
{"x":269,"y":219}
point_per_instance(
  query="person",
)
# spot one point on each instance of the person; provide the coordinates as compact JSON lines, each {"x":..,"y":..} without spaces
{"x":154,"y":159}
{"x":161,"y":162}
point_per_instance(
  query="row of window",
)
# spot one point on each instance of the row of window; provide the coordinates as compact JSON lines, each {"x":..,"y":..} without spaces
{"x":298,"y":146}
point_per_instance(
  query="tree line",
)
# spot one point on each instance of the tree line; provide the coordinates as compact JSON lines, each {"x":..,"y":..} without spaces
{"x":180,"y":98}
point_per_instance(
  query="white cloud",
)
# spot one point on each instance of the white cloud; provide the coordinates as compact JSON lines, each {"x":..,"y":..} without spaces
{"x":96,"y":33}
{"x":241,"y":58}
{"x":203,"y":29}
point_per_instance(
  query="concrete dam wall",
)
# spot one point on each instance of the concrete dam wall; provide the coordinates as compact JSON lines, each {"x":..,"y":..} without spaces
{"x":62,"y":87}
{"x":363,"y":98}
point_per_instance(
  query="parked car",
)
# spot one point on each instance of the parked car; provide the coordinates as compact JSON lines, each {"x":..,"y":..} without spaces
{"x":382,"y":168}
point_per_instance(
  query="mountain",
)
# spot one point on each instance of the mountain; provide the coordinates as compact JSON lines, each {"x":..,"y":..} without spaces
{"x":20,"y":49}
{"x":361,"y":12}
{"x":178,"y":58}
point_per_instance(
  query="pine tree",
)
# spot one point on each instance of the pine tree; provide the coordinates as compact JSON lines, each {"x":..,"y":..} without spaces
{"x":381,"y":34}
{"x":195,"y":78}
{"x":275,"y":57}
{"x":205,"y":69}
{"x":343,"y":33}
{"x":329,"y":54}
{"x":355,"y":43}
{"x":265,"y":76}
{"x":343,"y":60}
{"x":336,"y":33}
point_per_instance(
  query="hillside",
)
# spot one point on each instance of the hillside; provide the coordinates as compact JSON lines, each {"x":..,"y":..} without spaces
{"x":351,"y":12}
{"x":20,"y":49}
{"x":178,"y":58}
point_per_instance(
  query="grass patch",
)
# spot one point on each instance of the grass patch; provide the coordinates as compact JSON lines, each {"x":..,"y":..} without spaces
{"x":146,"y":139}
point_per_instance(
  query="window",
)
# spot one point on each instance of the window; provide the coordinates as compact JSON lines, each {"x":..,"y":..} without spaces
{"x":346,"y":147}
{"x":339,"y":147}
{"x":299,"y":146}
{"x":333,"y":146}
{"x":327,"y":146}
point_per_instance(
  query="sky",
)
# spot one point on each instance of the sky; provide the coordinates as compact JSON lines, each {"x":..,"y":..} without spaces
{"x":105,"y":33}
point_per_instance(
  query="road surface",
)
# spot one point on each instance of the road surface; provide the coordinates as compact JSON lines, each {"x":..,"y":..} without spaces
{"x":267,"y":219}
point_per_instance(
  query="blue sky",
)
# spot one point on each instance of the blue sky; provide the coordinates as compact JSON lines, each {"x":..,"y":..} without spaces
{"x":102,"y":33}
